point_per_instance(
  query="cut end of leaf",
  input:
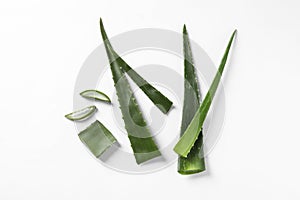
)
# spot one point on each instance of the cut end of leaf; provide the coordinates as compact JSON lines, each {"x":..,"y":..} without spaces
{"x":144,"y":157}
{"x":189,"y":172}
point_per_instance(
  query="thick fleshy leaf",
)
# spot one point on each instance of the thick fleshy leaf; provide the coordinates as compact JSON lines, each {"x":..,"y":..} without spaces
{"x":187,"y":141}
{"x":194,"y":162}
{"x":142,"y":143}
{"x":159,"y":100}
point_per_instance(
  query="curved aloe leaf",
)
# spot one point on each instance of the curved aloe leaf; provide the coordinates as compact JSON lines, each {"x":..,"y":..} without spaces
{"x":97,"y":138}
{"x":187,"y":141}
{"x":95,"y":94}
{"x":81,"y":114}
{"x":194,"y":162}
{"x":142,"y":143}
{"x":161,"y":101}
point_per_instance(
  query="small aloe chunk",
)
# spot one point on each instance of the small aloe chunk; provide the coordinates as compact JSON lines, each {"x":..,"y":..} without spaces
{"x":97,"y":138}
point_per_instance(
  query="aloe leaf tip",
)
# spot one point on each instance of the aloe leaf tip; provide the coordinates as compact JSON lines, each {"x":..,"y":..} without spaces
{"x":184,"y":29}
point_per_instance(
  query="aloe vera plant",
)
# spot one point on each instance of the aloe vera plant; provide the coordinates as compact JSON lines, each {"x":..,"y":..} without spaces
{"x":194,"y":162}
{"x":97,"y":138}
{"x":159,"y":100}
{"x":142,"y":143}
{"x":191,"y":134}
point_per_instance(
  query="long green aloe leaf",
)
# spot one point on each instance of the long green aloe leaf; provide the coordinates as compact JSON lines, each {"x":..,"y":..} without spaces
{"x":161,"y":101}
{"x":194,"y":162}
{"x":142,"y":143}
{"x":97,"y":138}
{"x":187,"y":141}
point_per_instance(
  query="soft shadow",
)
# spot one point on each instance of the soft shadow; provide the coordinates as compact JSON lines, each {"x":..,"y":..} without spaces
{"x":206,"y":173}
{"x":154,"y":160}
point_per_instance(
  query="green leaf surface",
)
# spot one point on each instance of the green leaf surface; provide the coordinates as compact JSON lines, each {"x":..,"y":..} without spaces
{"x":159,"y":100}
{"x":81,"y":114}
{"x":194,"y":162}
{"x":95,"y":94}
{"x":187,"y":141}
{"x":97,"y":138}
{"x":142,"y":143}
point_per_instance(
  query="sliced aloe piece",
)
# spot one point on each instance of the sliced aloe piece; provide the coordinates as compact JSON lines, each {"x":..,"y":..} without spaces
{"x":81,"y":114}
{"x":95,"y":94}
{"x":142,"y":143}
{"x":97,"y":138}
{"x":159,"y":100}
{"x":194,"y":162}
{"x":187,"y":141}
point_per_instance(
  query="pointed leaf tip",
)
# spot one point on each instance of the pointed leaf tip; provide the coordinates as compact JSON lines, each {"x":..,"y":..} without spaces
{"x":101,"y":24}
{"x":184,"y":28}
{"x":103,"y":32}
{"x":234,"y":33}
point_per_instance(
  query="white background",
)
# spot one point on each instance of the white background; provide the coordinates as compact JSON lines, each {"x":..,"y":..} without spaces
{"x":44,"y":43}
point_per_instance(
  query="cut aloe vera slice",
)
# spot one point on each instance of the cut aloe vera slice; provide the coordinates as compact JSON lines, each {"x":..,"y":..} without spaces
{"x":81,"y":114}
{"x":95,"y":94}
{"x":97,"y":138}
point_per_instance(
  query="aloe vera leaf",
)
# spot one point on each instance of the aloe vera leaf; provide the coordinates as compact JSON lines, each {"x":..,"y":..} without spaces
{"x":95,"y":94}
{"x":81,"y":114}
{"x":97,"y":138}
{"x":142,"y":143}
{"x":188,"y":139}
{"x":159,"y":100}
{"x":194,"y":162}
